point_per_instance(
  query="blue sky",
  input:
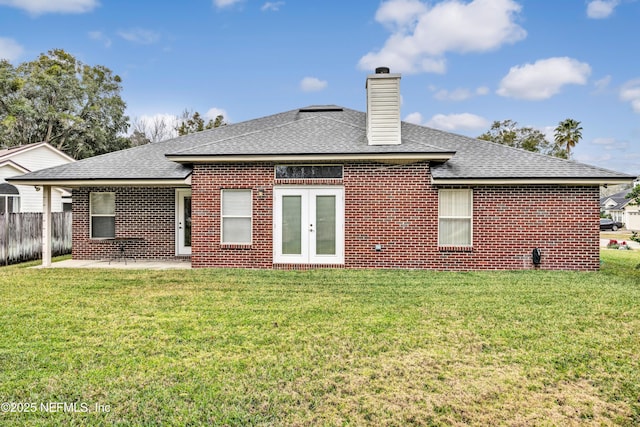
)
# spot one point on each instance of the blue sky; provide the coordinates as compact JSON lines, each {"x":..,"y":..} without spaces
{"x":464,"y":64}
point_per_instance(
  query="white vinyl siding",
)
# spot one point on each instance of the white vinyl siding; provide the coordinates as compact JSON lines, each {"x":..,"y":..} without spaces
{"x":383,"y":109}
{"x":236,"y":217}
{"x":102,"y":211}
{"x":41,"y":157}
{"x":455,"y":217}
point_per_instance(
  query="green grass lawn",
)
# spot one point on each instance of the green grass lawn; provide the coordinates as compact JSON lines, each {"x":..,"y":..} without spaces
{"x":324,"y":347}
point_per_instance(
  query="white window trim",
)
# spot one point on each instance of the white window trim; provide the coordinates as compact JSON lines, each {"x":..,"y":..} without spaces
{"x":250,"y":216}
{"x":4,"y":200}
{"x":469,"y":217}
{"x":91,"y":214}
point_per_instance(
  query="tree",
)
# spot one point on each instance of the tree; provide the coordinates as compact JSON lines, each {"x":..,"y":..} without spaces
{"x":158,"y":128}
{"x":634,"y":195}
{"x":57,"y":99}
{"x":166,"y":126}
{"x":508,"y":133}
{"x":193,"y":122}
{"x":567,"y":134}
{"x":138,"y":138}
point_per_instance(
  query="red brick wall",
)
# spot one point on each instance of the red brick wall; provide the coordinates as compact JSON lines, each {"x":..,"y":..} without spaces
{"x":391,"y":205}
{"x":207,"y":183}
{"x":148,"y":213}
{"x":396,"y":207}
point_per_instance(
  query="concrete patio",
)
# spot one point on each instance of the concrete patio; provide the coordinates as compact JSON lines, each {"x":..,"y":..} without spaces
{"x":171,"y":264}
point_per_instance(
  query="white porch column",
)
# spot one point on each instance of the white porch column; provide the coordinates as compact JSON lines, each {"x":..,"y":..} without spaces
{"x":46,"y":226}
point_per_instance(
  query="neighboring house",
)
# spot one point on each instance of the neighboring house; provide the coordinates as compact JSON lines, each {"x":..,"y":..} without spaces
{"x":24,"y":159}
{"x":333,"y":187}
{"x":621,"y":209}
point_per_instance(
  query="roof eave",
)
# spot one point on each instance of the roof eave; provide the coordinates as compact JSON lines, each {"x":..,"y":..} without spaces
{"x":575,"y":181}
{"x":251,"y":158}
{"x":125,"y":182}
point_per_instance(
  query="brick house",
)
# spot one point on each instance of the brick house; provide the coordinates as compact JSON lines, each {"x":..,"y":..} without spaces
{"x":326,"y":186}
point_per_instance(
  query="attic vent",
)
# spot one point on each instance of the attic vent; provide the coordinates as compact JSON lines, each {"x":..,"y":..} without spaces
{"x":320,"y":108}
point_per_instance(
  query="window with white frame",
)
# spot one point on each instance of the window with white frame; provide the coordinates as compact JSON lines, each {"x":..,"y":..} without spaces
{"x":9,"y":198}
{"x":103,"y":215}
{"x":455,"y":217}
{"x":9,"y":204}
{"x":236,"y":217}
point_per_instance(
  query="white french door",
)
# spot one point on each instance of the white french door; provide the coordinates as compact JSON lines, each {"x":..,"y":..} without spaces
{"x":183,"y":222}
{"x":308,"y":225}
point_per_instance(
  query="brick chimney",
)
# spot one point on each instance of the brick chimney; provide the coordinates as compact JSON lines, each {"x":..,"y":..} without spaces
{"x":383,"y":108}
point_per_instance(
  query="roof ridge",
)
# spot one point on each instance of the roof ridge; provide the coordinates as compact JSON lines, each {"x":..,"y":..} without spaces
{"x":280,"y":125}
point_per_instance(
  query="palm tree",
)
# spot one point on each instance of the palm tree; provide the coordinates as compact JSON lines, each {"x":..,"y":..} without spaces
{"x":568,"y":134}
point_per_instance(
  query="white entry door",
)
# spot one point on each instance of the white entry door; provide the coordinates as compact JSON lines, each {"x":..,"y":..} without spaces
{"x":308,"y":225}
{"x":183,"y":222}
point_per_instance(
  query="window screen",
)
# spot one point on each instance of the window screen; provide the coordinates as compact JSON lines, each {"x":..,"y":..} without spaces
{"x":236,"y":216}
{"x":455,"y":213}
{"x":103,"y":215}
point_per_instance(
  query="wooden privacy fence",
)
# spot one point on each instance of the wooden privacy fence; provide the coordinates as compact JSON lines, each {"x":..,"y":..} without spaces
{"x":21,"y":236}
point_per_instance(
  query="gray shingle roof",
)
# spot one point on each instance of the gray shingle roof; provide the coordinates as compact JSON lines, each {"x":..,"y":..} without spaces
{"x":321,"y":130}
{"x":308,"y":132}
{"x":620,"y":199}
{"x":478,"y":159}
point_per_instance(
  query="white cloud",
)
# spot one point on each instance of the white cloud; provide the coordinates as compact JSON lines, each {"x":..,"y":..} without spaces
{"x":602,"y":84}
{"x":600,"y":9}
{"x":139,"y":35}
{"x":459,"y":94}
{"x":214,"y":112}
{"x":604,"y":141}
{"x":38,"y":7}
{"x":630,"y":92}
{"x":99,"y":36}
{"x":415,"y":118}
{"x":548,"y":131}
{"x":454,"y":95}
{"x":544,"y":78}
{"x":220,"y":4}
{"x":400,"y":13}
{"x":272,"y":6}
{"x":452,"y":122}
{"x":10,"y":49}
{"x":312,"y":84}
{"x":422,"y":35}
